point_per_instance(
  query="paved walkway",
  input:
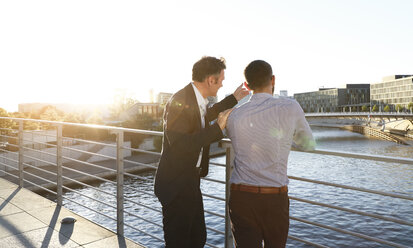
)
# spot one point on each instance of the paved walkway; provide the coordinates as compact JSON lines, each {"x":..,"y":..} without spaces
{"x":30,"y":221}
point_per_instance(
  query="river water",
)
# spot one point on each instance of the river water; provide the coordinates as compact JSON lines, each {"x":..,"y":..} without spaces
{"x":381,"y":176}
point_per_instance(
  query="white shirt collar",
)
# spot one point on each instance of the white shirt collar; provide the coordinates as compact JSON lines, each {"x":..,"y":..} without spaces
{"x":199,"y":98}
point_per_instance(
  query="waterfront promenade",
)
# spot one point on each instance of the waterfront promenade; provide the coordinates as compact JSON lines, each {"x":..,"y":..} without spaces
{"x":29,"y":220}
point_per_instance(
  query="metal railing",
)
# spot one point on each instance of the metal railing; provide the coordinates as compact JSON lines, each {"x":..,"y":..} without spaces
{"x":361,"y":114}
{"x":59,"y":175}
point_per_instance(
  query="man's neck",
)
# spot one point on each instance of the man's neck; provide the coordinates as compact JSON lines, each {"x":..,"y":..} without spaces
{"x":267,"y":90}
{"x":200,"y":87}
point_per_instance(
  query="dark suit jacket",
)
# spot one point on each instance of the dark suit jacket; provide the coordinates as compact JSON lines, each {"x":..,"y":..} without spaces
{"x":182,"y":142}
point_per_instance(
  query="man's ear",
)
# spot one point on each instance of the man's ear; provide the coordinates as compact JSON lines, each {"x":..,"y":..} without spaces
{"x":210,"y":80}
{"x":273,"y":80}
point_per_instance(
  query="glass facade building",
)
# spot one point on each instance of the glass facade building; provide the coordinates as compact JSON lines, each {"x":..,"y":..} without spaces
{"x":392,"y":91}
{"x":353,"y":97}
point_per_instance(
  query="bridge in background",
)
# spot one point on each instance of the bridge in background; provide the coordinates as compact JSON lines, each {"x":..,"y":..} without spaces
{"x":393,"y":122}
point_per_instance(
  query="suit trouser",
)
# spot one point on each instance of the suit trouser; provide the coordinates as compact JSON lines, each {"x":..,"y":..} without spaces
{"x":184,"y":222}
{"x":259,"y":217}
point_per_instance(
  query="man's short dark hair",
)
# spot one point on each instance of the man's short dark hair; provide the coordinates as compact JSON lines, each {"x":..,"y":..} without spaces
{"x":258,"y":74}
{"x":206,"y":67}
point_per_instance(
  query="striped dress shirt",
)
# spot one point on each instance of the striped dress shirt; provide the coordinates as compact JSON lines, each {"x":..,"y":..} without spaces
{"x":262,"y":132}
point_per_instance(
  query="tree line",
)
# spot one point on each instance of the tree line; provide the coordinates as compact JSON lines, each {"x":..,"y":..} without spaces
{"x":51,"y":113}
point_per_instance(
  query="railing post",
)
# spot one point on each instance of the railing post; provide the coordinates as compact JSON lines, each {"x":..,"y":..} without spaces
{"x":119,"y":180}
{"x":21,"y":158}
{"x":59,"y":178}
{"x":228,"y":169}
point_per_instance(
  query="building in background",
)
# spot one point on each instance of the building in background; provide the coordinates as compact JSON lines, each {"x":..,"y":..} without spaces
{"x":163,"y":97}
{"x":283,"y":93}
{"x":152,"y":109}
{"x":392,"y":91}
{"x":351,"y":98}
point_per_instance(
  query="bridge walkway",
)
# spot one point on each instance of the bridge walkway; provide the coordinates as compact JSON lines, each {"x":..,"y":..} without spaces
{"x":29,"y":220}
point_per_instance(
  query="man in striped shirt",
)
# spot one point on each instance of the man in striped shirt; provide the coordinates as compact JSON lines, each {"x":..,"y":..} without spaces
{"x":262,"y":132}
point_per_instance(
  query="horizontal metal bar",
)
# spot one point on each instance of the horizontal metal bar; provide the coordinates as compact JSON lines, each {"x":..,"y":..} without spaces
{"x":142,"y":151}
{"x":388,"y":159}
{"x":213,"y":180}
{"x":17,"y":177}
{"x":89,"y":175}
{"x":4,"y":150}
{"x":140,"y":204}
{"x":5,"y":136}
{"x":353,"y":188}
{"x":8,"y":166}
{"x":10,"y":158}
{"x":40,"y":160}
{"x":361,"y":156}
{"x":38,"y":142}
{"x":217,"y":164}
{"x":39,"y":151}
{"x":215,"y":230}
{"x":395,"y":220}
{"x":137,"y":163}
{"x":8,"y":129}
{"x":89,"y":141}
{"x":138,"y":177}
{"x":90,"y":164}
{"x":153,"y":223}
{"x":215,"y":214}
{"x":138,"y":190}
{"x":43,"y":188}
{"x":41,"y":178}
{"x":209,"y":228}
{"x":83,"y":206}
{"x":128,"y":130}
{"x":39,"y":134}
{"x":214,"y":197}
{"x":93,"y":199}
{"x":307,"y":242}
{"x":349,"y":232}
{"x":354,"y":155}
{"x":139,"y":230}
{"x":87,"y":185}
{"x":12,"y":145}
{"x":40,"y":169}
{"x":153,"y":195}
{"x":86,"y":152}
{"x":364,"y":114}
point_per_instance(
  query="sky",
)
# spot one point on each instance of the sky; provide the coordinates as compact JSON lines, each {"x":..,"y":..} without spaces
{"x":87,"y":51}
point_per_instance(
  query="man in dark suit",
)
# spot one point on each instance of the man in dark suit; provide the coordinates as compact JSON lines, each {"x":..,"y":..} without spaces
{"x":188,"y":132}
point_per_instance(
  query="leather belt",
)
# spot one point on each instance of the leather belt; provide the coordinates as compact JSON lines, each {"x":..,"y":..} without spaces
{"x":259,"y":189}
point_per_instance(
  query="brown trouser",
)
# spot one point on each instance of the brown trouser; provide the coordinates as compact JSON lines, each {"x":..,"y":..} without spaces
{"x":257,"y":217}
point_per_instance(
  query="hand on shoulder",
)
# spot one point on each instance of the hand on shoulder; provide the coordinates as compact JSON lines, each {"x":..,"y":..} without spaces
{"x":223,"y":117}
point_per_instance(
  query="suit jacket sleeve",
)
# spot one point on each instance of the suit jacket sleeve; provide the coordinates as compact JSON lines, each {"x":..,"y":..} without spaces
{"x":180,"y":133}
{"x":226,"y":103}
{"x":179,"y":121}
